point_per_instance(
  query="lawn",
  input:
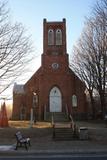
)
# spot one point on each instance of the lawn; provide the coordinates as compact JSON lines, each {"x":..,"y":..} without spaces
{"x":26,"y":124}
{"x":39,"y":132}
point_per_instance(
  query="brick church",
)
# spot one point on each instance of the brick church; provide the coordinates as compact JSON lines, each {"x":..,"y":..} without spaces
{"x":54,"y":87}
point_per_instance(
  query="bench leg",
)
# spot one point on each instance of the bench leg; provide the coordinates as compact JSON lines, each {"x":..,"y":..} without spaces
{"x":26,"y":146}
{"x":29,"y":143}
{"x":16,"y":146}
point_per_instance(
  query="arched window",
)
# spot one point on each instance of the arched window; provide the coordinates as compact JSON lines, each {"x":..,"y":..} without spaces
{"x":74,"y":101}
{"x":50,"y":37}
{"x":58,"y":37}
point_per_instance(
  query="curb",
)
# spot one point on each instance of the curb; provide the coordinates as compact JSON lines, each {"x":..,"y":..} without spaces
{"x":52,"y":152}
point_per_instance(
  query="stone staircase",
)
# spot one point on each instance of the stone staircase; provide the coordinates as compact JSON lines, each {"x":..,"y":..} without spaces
{"x":62,"y":127}
{"x":64,"y":134}
{"x":57,"y":116}
{"x":60,"y":117}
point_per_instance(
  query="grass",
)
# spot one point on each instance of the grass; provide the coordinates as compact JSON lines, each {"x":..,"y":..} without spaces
{"x":26,"y":124}
{"x":40,"y":132}
{"x":91,"y":124}
{"x":38,"y":124}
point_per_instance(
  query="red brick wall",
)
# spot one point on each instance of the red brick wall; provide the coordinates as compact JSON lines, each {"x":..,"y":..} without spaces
{"x":68,"y":85}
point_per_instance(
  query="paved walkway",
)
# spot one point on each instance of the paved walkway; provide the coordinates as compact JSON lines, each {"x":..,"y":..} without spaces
{"x":57,"y":147}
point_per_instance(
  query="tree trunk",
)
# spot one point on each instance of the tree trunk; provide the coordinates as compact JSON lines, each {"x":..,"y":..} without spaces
{"x":92,"y":104}
{"x":102,"y":100}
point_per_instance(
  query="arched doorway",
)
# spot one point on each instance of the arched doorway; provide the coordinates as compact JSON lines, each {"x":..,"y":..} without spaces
{"x":55,"y":100}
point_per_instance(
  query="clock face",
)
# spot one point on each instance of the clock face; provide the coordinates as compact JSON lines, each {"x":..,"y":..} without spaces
{"x":55,"y":65}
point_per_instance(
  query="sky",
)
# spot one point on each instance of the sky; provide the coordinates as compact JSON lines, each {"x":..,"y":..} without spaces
{"x":32,"y":12}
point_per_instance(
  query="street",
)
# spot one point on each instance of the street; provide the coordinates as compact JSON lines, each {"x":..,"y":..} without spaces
{"x":57,"y":157}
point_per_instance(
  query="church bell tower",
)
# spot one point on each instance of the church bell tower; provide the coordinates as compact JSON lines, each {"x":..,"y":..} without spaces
{"x":54,"y":38}
{"x":54,"y":46}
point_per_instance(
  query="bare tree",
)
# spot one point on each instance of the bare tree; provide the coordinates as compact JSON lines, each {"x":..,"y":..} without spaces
{"x":15,"y":49}
{"x":100,"y":50}
{"x":92,"y":50}
{"x":81,"y":64}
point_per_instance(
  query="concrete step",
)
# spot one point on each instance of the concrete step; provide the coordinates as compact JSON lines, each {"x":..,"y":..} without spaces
{"x":63,"y":134}
{"x":57,"y":117}
{"x":60,"y":117}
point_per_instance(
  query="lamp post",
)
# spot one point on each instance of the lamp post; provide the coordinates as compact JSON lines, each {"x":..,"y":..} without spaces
{"x":35,"y":101}
{"x":31,"y":117}
{"x":32,"y":114}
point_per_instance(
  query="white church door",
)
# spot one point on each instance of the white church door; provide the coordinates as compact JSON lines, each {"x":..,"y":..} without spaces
{"x":55,"y":100}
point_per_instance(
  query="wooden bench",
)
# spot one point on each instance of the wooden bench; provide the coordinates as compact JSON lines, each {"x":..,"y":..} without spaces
{"x":22,"y":140}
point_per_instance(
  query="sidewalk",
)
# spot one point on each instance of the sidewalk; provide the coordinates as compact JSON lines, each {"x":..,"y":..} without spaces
{"x":74,"y":147}
{"x":42,"y":142}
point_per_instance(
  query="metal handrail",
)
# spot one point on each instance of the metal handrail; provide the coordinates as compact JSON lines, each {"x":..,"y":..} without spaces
{"x":66,"y":109}
{"x":73,"y":125}
{"x":52,"y":120}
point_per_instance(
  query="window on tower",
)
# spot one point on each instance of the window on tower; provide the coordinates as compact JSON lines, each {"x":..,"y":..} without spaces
{"x":58,"y":37}
{"x":50,"y":37}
